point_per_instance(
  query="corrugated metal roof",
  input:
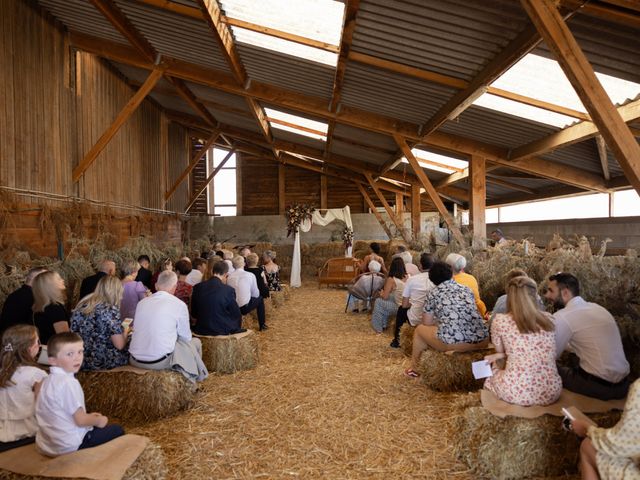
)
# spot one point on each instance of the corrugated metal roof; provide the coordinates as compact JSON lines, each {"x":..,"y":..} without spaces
{"x":583,"y":155}
{"x":454,"y":37}
{"x":392,"y":94}
{"x":359,"y":153}
{"x":139,"y":75}
{"x":294,"y":137}
{"x":80,"y":16}
{"x":217,"y":96}
{"x":240,"y":121}
{"x":175,"y":35}
{"x":170,"y":102}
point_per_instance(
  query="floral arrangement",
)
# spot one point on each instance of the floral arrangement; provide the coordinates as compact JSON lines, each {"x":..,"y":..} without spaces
{"x":296,"y":214}
{"x":347,"y":237}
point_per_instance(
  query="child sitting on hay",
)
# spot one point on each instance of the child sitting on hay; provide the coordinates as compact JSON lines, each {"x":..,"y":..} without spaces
{"x":64,"y":424}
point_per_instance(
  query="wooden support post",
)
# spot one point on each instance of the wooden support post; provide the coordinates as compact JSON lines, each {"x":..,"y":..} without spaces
{"x":478,"y":201}
{"x":122,"y":117}
{"x":208,"y":180}
{"x":281,"y":188}
{"x":604,"y":158}
{"x":194,"y":161}
{"x":576,"y":67}
{"x":426,"y":183}
{"x":399,"y":205}
{"x":374,"y":210}
{"x":385,"y":204}
{"x":323,"y":191}
{"x":416,"y":225}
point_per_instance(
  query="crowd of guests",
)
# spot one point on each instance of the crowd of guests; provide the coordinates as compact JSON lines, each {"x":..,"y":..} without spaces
{"x":143,"y":318}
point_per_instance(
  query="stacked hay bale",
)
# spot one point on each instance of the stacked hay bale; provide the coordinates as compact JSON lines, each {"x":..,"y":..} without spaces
{"x":406,"y":338}
{"x":230,"y":353}
{"x":629,"y":326}
{"x":450,"y":371}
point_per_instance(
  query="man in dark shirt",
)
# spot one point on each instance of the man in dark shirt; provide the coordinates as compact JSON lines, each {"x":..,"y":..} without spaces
{"x":89,"y":284}
{"x":18,"y":307}
{"x":213,"y":305}
{"x":144,"y":274}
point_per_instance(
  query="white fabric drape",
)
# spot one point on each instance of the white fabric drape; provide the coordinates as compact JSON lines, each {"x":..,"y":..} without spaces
{"x":318,"y":218}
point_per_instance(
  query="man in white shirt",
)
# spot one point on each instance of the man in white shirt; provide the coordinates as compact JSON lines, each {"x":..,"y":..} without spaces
{"x":161,"y":328}
{"x":413,"y":297}
{"x":247,"y":293}
{"x":589,"y":331}
{"x":498,"y":237}
{"x":197,"y":272}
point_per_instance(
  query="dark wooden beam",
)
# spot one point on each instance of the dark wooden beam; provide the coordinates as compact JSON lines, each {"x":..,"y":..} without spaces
{"x":374,"y":210}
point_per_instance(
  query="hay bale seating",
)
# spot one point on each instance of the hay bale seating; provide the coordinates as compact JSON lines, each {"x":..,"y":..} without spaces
{"x":135,"y":396}
{"x":450,"y":371}
{"x":406,"y":338}
{"x":250,"y":321}
{"x":230,"y":353}
{"x":514,"y":448}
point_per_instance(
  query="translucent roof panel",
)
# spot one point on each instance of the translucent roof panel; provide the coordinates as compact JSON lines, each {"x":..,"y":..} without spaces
{"x":437,"y":161}
{"x":296,"y":124}
{"x":319,"y":20}
{"x":543,"y":79}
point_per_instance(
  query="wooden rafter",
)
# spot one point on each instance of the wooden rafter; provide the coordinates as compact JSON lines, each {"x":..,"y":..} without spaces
{"x":599,"y":10}
{"x":190,"y":98}
{"x":208,"y":180}
{"x":374,"y":210}
{"x":478,"y":200}
{"x":392,"y":215}
{"x":604,"y":158}
{"x":576,"y":67}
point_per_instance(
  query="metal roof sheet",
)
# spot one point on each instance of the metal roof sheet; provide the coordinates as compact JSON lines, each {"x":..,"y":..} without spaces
{"x":280,"y":134}
{"x":366,"y":137}
{"x":240,"y":121}
{"x":359,"y":153}
{"x":139,"y":75}
{"x":217,"y":96}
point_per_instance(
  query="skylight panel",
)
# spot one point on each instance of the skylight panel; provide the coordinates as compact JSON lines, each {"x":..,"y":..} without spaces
{"x":525,"y":111}
{"x":296,"y":124}
{"x":438,"y":162}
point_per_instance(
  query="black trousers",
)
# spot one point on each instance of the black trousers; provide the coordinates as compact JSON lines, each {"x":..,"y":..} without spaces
{"x":401,"y":318}
{"x":98,"y":435}
{"x":578,"y":381}
{"x":258,"y":304}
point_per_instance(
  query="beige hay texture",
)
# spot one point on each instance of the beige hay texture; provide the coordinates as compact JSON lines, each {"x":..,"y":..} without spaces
{"x":406,"y":338}
{"x":515,"y":448}
{"x":277,"y":298}
{"x":629,"y":326}
{"x":231,"y":353}
{"x":450,"y":372}
{"x":250,"y":320}
{"x":134,"y":398}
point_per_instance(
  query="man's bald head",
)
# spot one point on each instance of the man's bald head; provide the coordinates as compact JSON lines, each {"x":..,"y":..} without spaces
{"x":107,"y":266}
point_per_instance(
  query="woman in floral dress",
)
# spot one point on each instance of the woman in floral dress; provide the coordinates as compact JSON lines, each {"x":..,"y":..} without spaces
{"x":525,"y":337}
{"x":271,"y":270}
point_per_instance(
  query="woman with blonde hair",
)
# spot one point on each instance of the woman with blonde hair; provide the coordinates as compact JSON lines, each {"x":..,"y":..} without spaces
{"x":96,"y":319}
{"x":271,"y":270}
{"x":49,"y":313}
{"x":525,"y":337}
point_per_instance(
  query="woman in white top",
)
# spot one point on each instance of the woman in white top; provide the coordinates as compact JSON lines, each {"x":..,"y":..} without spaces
{"x":20,"y":380}
{"x":390,"y":296}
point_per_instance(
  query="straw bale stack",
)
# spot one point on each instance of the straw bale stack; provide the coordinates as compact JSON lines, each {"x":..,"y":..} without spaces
{"x":250,"y":320}
{"x":135,"y":398}
{"x":629,"y":326}
{"x":450,"y":371}
{"x":230,"y":353}
{"x":514,"y":448}
{"x":406,"y":338}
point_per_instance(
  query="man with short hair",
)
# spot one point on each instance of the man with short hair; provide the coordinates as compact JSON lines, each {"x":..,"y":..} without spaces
{"x":161,"y":337}
{"x":144,"y":274}
{"x":214,"y":306}
{"x":18,"y":307}
{"x":413,"y":297}
{"x":458,"y":264}
{"x":197,"y":272}
{"x":248,"y":296}
{"x":498,"y":237}
{"x":590,"y":331}
{"x":89,"y":284}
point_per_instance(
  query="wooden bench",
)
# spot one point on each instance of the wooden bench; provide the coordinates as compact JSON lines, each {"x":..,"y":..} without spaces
{"x":338,"y":271}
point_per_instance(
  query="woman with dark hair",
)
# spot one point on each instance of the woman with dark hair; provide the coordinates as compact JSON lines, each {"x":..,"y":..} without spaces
{"x":374,"y":255}
{"x":183,"y":289}
{"x":450,"y":320}
{"x":390,"y":296}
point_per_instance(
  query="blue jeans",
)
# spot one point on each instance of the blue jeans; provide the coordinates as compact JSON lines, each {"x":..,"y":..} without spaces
{"x":98,"y":436}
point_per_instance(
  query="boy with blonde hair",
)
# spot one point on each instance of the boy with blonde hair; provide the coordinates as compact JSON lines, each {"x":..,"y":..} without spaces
{"x":64,"y":425}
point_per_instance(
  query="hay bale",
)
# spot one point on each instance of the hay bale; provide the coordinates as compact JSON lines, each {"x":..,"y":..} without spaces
{"x":277,"y":298}
{"x":250,"y":320}
{"x":513,"y":448}
{"x":406,"y":338}
{"x":135,"y":398}
{"x":450,"y":372}
{"x":230,"y":353}
{"x":150,"y":465}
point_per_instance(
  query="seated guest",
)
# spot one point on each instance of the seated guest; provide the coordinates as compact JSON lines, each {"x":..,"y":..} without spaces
{"x":374,"y":255}
{"x":106,"y":267}
{"x":227,"y":256}
{"x":211,"y":261}
{"x":244,"y":253}
{"x":196,"y":275}
{"x":183,"y":289}
{"x":501,"y":303}
{"x":271,"y":270}
{"x":450,"y":320}
{"x":144,"y":274}
{"x":525,"y":337}
{"x":413,"y":296}
{"x":498,"y":238}
{"x":49,"y":313}
{"x":162,"y":338}
{"x":166,"y":264}
{"x":612,"y":453}
{"x":133,"y":290}
{"x":18,"y":307}
{"x":20,"y":380}
{"x":247,"y":294}
{"x":401,"y":252}
{"x":97,"y":320}
{"x":366,"y":287}
{"x":458,"y":262}
{"x":214,"y":306}
{"x":589,"y":331}
{"x":390,"y":297}
{"x":252,"y":267}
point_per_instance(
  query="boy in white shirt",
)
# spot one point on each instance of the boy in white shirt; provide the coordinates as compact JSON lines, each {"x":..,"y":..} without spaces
{"x":64,"y":424}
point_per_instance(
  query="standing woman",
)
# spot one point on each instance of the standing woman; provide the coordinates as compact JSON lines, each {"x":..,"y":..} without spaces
{"x":390,"y":296}
{"x":96,"y":319}
{"x":49,"y":313}
{"x":133,"y":292}
{"x":271,"y":270}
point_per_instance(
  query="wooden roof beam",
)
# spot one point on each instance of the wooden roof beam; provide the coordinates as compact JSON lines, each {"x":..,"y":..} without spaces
{"x":392,"y":214}
{"x":374,"y":210}
{"x":576,"y":67}
{"x":188,"y":96}
{"x":604,"y":158}
{"x":604,"y":12}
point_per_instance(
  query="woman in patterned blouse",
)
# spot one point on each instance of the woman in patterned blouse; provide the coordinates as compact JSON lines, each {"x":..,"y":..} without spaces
{"x":97,"y":320}
{"x":450,"y":320}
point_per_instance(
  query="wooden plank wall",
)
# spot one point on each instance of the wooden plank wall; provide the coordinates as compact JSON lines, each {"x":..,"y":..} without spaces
{"x":259,"y":186}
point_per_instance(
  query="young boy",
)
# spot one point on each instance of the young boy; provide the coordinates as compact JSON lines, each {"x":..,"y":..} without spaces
{"x":64,"y":425}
